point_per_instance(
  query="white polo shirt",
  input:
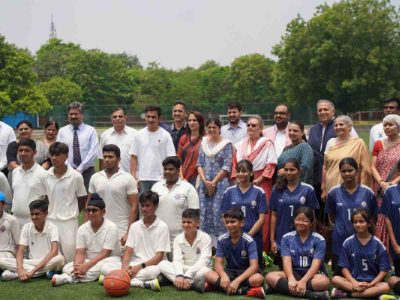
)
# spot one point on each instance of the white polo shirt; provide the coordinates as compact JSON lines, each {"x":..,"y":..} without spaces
{"x":106,"y":237}
{"x":123,"y":140}
{"x":151,"y":148}
{"x":39,"y":243}
{"x":197,"y":255}
{"x":9,"y":233}
{"x":173,"y":202}
{"x":115,"y":191}
{"x":63,"y":192}
{"x":147,"y":241}
{"x":7,"y":135}
{"x":26,"y":187}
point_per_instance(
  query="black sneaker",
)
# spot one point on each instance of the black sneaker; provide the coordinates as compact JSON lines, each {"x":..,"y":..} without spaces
{"x":320,"y":295}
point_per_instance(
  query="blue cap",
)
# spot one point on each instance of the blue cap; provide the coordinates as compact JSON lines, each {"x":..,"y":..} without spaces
{"x":2,"y":197}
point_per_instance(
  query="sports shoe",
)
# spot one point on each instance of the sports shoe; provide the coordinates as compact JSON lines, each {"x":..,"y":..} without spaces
{"x":256,"y":292}
{"x":50,"y":274}
{"x":60,"y":279}
{"x":9,"y":275}
{"x":337,"y":293}
{"x":268,"y":290}
{"x":153,"y":285}
{"x":320,"y":295}
{"x":101,"y":279}
{"x":388,"y":297}
{"x":198,"y":285}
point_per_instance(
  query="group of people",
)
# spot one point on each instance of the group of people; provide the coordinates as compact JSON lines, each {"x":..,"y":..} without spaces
{"x":169,"y":197}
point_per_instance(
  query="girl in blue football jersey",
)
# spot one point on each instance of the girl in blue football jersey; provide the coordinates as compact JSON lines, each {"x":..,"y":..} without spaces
{"x":303,"y":253}
{"x":287,"y":196}
{"x":251,"y":200}
{"x":391,"y":210}
{"x":341,"y":202}
{"x":364,"y":261}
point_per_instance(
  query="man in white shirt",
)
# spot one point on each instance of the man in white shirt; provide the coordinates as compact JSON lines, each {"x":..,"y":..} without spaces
{"x":236,"y":129}
{"x":192,"y":254}
{"x":279,"y":133}
{"x":391,"y":106}
{"x":150,"y":147}
{"x":7,"y":135}
{"x":82,"y":142}
{"x":67,"y":196}
{"x":175,"y":195}
{"x":9,"y":231}
{"x":119,"y":191}
{"x":147,"y":244}
{"x":96,"y":244}
{"x":121,"y":135}
{"x":26,"y":181}
{"x":40,"y":238}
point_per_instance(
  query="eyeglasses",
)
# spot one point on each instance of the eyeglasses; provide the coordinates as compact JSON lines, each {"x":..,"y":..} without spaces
{"x":390,"y":107}
{"x":251,"y":125}
{"x":280,"y":113}
{"x":92,"y":210}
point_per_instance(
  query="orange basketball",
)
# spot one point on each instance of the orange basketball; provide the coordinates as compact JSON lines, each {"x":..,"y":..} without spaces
{"x":117,"y":283}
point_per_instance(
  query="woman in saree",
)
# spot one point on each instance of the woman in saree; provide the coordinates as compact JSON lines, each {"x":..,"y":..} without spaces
{"x":189,"y":145}
{"x":385,"y":158}
{"x":344,"y":145}
{"x":261,"y":153}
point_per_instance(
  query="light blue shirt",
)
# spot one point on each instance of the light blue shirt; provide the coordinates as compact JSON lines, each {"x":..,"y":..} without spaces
{"x":88,"y":145}
{"x":234,"y":134}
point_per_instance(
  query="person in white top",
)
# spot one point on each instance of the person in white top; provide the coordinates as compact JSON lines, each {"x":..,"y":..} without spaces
{"x":147,"y":244}
{"x":150,"y":147}
{"x":26,"y":181}
{"x":391,"y":106}
{"x":67,"y":196}
{"x":82,"y":142}
{"x":9,"y":231}
{"x":121,"y":135}
{"x":40,"y":238}
{"x":192,"y":254}
{"x":236,"y":129}
{"x":175,"y":196}
{"x":96,"y":244}
{"x":7,"y":135}
{"x":5,"y":188}
{"x":119,"y":191}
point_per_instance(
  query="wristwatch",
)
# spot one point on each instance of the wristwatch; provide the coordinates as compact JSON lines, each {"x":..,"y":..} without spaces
{"x":143,"y":265}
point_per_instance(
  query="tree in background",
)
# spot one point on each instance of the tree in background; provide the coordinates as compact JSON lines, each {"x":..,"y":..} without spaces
{"x":17,"y":82}
{"x":61,"y":91}
{"x":348,"y":52}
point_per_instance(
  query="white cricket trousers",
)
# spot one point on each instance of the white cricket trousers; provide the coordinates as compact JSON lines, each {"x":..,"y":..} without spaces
{"x":55,"y":264}
{"x":67,"y":231}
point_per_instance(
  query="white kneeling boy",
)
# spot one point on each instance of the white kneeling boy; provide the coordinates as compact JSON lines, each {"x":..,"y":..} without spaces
{"x":41,"y":238}
{"x":148,"y":242}
{"x":192,"y":253}
{"x":9,"y":231}
{"x":96,"y":244}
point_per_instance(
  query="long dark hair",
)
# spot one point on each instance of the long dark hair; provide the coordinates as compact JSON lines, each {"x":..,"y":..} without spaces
{"x":366,"y":215}
{"x":301,"y":126}
{"x":245,"y":165}
{"x":199,"y":117}
{"x":281,"y":181}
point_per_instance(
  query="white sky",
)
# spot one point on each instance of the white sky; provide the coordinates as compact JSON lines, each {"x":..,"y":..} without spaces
{"x":174,"y":33}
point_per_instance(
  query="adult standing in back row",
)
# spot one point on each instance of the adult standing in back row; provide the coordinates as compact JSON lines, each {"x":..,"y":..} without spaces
{"x":82,"y":142}
{"x":150,"y":147}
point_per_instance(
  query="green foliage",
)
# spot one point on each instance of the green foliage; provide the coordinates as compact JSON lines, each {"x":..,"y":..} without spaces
{"x":34,"y":102}
{"x":60,"y":91}
{"x":251,"y":79}
{"x":348,"y":52}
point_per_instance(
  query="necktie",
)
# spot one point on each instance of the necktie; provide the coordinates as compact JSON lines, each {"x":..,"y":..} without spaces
{"x":76,"y":154}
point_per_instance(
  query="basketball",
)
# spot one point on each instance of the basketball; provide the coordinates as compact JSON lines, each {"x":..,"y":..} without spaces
{"x":117,"y":283}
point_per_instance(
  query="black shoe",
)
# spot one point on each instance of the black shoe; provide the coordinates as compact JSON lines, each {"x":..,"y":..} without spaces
{"x":163,"y":280}
{"x":319,"y":295}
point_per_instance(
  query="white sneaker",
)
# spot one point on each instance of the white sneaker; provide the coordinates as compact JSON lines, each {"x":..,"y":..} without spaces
{"x":9,"y":275}
{"x":60,"y":279}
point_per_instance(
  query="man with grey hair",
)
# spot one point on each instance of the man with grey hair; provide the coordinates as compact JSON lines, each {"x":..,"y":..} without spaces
{"x":319,"y":135}
{"x":82,"y":142}
{"x":391,"y":106}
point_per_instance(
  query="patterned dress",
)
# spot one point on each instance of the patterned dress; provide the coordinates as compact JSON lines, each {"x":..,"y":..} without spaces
{"x":210,"y":207}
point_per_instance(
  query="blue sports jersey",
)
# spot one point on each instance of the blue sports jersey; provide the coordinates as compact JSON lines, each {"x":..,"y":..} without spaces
{"x":364,"y":262}
{"x":286,"y":203}
{"x":302,"y":254}
{"x":391,"y":209}
{"x":252,"y":203}
{"x":237,"y":256}
{"x":342,"y":204}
